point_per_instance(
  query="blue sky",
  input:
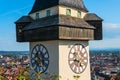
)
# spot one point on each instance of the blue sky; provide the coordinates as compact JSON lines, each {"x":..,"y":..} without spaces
{"x":10,"y":11}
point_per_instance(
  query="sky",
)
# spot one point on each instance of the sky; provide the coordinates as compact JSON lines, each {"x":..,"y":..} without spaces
{"x":11,"y":10}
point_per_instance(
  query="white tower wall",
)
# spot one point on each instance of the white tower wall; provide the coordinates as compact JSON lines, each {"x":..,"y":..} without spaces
{"x":58,"y":56}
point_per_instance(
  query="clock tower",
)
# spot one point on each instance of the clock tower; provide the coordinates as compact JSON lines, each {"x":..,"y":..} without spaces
{"x":58,"y":32}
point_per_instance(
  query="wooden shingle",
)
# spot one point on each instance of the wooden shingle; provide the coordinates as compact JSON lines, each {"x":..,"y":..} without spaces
{"x":58,"y":20}
{"x":92,"y":17}
{"x":24,"y":19}
{"x":44,"y":4}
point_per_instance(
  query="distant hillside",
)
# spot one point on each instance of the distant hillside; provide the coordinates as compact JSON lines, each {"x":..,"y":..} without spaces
{"x":14,"y":52}
{"x":105,"y":51}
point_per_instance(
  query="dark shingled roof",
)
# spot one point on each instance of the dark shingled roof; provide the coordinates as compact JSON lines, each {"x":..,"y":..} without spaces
{"x":58,"y":20}
{"x":73,"y":22}
{"x":74,"y":4}
{"x":24,"y":19}
{"x":92,"y":17}
{"x":43,"y":22}
{"x":43,"y":4}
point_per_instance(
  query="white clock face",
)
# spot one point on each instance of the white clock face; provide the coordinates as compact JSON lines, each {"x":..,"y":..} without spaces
{"x":39,"y":58}
{"x":78,"y":58}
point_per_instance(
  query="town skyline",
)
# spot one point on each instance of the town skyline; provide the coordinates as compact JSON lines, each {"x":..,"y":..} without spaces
{"x":108,"y":10}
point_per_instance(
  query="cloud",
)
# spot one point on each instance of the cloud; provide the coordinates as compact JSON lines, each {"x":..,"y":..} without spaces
{"x":111,"y":26}
{"x":105,"y":43}
{"x":10,"y":44}
{"x":111,"y":37}
{"x":111,"y":30}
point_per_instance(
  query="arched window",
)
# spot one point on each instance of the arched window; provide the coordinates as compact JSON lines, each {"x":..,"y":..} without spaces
{"x":37,"y":16}
{"x":48,"y":13}
{"x":68,"y":12}
{"x":79,"y":14}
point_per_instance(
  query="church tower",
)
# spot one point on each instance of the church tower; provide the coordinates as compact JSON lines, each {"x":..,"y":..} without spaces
{"x":58,"y":32}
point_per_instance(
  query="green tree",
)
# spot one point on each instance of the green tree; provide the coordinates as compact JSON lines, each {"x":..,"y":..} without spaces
{"x":3,"y":78}
{"x":56,"y":77}
{"x":26,"y":75}
{"x":76,"y":77}
{"x":117,"y":76}
{"x":20,"y":77}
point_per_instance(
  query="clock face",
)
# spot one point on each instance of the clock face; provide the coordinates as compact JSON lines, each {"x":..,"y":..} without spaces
{"x":39,"y":58}
{"x":78,"y":58}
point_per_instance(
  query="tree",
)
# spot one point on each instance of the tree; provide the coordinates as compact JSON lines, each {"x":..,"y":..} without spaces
{"x":76,"y":77}
{"x":3,"y":78}
{"x":117,"y":76}
{"x":26,"y":75}
{"x":21,"y":77}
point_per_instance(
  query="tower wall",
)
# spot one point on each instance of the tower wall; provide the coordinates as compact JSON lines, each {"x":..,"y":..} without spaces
{"x":58,"y":57}
{"x":42,"y":13}
{"x":64,"y":68}
{"x":52,"y":47}
{"x":60,"y":10}
{"x":74,"y":12}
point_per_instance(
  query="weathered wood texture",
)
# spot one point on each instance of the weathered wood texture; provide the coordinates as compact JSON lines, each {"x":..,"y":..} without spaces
{"x":95,"y":21}
{"x":57,"y":27}
{"x":41,"y":34}
{"x":44,"y":4}
{"x":98,"y":29}
{"x":19,"y":31}
{"x":75,"y":33}
{"x":55,"y":33}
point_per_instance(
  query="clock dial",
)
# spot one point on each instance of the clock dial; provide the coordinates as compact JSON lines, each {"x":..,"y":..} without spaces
{"x":39,"y":58}
{"x":78,"y":58}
